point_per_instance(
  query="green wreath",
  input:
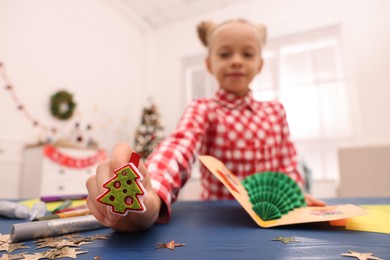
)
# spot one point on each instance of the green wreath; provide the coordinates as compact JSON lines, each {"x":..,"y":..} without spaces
{"x":62,"y":105}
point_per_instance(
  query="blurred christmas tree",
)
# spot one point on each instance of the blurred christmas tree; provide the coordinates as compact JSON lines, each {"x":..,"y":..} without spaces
{"x":150,"y":132}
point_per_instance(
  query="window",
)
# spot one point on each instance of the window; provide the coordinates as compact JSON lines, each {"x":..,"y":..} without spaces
{"x":199,"y":83}
{"x":305,"y":72}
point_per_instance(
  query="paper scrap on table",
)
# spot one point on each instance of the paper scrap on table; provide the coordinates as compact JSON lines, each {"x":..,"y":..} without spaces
{"x":376,"y":220}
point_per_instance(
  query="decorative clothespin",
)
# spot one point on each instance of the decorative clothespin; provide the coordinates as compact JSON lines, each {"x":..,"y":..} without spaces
{"x":125,"y":190}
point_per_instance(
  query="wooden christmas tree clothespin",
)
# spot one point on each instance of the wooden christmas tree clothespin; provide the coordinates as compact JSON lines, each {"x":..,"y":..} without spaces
{"x":125,"y":190}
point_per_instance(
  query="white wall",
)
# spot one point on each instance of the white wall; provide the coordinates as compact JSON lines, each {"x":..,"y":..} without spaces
{"x":86,"y":47}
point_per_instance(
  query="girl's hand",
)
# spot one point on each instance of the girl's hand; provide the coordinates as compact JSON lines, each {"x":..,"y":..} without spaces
{"x":311,"y":201}
{"x":132,"y":221}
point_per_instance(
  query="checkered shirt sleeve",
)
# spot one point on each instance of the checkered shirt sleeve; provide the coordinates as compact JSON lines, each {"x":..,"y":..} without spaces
{"x":170,"y":163}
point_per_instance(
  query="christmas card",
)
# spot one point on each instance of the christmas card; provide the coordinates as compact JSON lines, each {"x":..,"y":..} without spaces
{"x":273,"y":199}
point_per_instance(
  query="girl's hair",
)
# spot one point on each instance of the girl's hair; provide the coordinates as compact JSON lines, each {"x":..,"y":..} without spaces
{"x":206,"y":28}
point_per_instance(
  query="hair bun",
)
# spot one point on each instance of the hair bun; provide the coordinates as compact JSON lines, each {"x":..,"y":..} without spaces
{"x":204,"y":28}
{"x":263,"y":33}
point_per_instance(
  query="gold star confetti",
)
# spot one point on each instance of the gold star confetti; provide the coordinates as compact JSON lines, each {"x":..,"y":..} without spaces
{"x":74,"y":240}
{"x":285,"y":240}
{"x":3,"y":247}
{"x":49,"y":254}
{"x":50,"y":243}
{"x":10,"y":247}
{"x":59,"y":253}
{"x":14,"y":246}
{"x":63,"y":246}
{"x":170,"y":245}
{"x":35,"y":256}
{"x":13,"y":256}
{"x":361,"y":256}
{"x":4,"y":238}
{"x":69,"y":252}
{"x":57,"y":239}
{"x":95,"y":237}
{"x":62,"y":243}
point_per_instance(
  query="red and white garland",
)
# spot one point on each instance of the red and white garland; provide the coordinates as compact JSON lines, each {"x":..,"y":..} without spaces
{"x":60,"y":158}
{"x":20,"y":106}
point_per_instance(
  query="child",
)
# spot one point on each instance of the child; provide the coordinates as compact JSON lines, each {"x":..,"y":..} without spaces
{"x":247,"y":135}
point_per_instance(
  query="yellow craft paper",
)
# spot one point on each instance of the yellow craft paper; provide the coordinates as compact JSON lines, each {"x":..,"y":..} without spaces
{"x":376,"y":220}
{"x":381,"y":208}
{"x":50,"y":206}
{"x":300,"y":215}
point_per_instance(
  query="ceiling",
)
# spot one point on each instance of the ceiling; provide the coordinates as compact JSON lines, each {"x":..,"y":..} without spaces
{"x":158,"y":13}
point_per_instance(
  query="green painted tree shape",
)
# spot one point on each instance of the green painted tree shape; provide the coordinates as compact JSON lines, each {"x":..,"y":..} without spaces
{"x":125,"y":190}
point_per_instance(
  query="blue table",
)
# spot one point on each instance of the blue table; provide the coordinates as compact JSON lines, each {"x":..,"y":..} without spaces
{"x":223,"y":230}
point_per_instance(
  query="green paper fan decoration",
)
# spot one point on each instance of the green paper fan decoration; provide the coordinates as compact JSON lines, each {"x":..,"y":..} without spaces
{"x":267,"y":210}
{"x":273,"y":194}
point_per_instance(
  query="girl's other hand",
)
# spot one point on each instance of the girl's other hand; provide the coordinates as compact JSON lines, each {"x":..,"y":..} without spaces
{"x":311,"y":201}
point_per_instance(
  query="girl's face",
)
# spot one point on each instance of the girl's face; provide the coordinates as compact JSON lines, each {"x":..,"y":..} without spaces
{"x":235,"y":56}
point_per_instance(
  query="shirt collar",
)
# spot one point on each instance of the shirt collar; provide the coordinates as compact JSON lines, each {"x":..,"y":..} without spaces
{"x":232,"y":101}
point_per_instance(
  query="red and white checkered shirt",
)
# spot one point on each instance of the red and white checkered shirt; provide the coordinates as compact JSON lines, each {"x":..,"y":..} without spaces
{"x":248,"y":136}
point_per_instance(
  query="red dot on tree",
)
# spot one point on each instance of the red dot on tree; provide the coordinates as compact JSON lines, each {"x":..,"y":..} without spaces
{"x":124,"y":173}
{"x":124,"y":190}
{"x":128,"y":182}
{"x":117,"y":184}
{"x":112,"y":198}
{"x":129,"y":200}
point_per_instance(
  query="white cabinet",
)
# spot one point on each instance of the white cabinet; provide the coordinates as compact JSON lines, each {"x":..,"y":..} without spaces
{"x":53,"y":170}
{"x":10,"y":167}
